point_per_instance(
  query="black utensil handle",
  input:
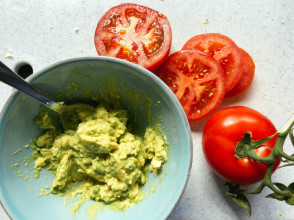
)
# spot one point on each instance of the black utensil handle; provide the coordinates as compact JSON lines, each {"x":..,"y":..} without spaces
{"x":11,"y":78}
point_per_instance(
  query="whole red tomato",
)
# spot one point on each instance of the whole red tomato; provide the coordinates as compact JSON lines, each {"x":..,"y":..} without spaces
{"x":221,"y":134}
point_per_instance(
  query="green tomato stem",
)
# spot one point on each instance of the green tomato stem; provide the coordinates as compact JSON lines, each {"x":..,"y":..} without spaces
{"x":277,"y":151}
{"x":291,"y":136}
{"x":284,"y":131}
{"x":247,"y":148}
{"x":267,"y":181}
{"x":283,"y":154}
{"x":252,"y":154}
{"x":257,"y":190}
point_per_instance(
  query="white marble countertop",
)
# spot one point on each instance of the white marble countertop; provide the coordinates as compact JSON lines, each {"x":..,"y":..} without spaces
{"x":44,"y":32}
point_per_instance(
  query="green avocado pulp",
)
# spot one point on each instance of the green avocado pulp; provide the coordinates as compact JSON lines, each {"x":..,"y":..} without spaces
{"x":96,"y":156}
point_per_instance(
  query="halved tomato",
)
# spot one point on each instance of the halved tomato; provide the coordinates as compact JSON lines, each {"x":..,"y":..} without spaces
{"x":224,"y":50}
{"x":135,"y":33}
{"x":197,"y":80}
{"x":247,"y":76}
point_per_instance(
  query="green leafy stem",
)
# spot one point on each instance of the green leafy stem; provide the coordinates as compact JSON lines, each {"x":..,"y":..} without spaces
{"x":246,"y":148}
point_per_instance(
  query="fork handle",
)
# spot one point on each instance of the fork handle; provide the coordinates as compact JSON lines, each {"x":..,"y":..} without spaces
{"x":9,"y":77}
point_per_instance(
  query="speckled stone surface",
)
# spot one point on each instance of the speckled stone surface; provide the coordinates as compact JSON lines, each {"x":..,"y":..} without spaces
{"x":44,"y":32}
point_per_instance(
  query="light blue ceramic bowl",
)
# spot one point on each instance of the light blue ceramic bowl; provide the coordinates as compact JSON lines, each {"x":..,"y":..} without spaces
{"x":148,"y":101}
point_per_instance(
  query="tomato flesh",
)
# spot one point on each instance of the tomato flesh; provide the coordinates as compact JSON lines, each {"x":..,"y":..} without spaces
{"x":221,"y":134}
{"x":197,"y":80}
{"x":224,"y":50}
{"x":247,"y":76}
{"x":134,"y":33}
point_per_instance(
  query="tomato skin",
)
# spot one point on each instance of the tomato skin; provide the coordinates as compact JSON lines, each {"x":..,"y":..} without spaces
{"x":224,"y":50}
{"x":135,"y":33}
{"x":221,"y":134}
{"x":246,"y":78}
{"x":197,"y":80}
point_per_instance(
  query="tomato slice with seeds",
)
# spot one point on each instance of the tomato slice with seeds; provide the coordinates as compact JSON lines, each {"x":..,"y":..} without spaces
{"x":247,"y":76}
{"x":224,"y":50}
{"x":197,"y":80}
{"x":135,"y":33}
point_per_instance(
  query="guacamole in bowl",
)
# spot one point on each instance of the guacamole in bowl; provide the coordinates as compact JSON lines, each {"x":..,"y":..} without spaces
{"x":96,"y":150}
{"x":127,"y":126}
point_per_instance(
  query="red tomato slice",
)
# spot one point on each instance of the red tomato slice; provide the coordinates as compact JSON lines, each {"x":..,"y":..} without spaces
{"x":247,"y":76}
{"x":224,"y":50}
{"x":135,"y":33}
{"x":197,"y":80}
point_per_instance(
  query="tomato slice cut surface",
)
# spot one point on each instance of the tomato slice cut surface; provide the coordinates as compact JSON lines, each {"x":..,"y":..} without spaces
{"x":197,"y":80}
{"x":247,"y":76}
{"x":224,"y":50}
{"x":135,"y":33}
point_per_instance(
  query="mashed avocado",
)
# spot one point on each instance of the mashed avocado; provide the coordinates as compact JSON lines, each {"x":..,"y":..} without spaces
{"x":97,"y":152}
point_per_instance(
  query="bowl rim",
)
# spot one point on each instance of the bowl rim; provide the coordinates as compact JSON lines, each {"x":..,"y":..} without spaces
{"x":142,"y":70}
